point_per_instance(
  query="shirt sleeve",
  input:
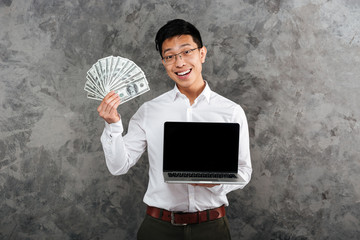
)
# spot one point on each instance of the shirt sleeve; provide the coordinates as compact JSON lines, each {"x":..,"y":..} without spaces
{"x":244,"y":163}
{"x":123,"y":152}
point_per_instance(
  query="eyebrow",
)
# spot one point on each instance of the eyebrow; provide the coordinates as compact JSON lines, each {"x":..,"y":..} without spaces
{"x":184,"y":45}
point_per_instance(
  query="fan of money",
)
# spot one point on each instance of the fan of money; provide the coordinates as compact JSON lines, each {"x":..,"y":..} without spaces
{"x":115,"y":74}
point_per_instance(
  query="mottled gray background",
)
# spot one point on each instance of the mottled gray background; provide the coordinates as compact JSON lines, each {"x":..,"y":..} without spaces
{"x":292,"y":65}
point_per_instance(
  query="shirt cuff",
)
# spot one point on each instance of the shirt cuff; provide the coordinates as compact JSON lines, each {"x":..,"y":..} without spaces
{"x":114,"y":128}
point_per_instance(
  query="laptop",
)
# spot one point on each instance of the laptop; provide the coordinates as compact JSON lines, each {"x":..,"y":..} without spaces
{"x":201,"y":152}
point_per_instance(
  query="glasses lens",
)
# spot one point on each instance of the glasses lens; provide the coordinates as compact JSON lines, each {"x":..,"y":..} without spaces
{"x":184,"y":54}
{"x":169,"y":59}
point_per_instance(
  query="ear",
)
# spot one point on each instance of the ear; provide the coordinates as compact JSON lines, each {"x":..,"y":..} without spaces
{"x":203,"y":52}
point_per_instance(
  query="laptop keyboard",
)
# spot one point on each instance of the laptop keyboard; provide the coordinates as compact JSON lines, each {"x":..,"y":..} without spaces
{"x":203,"y":175}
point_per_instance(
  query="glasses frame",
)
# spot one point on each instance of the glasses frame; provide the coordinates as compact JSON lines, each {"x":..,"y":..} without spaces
{"x":178,"y":54}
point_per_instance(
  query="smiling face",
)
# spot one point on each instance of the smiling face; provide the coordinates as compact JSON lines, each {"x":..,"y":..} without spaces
{"x":185,"y":71}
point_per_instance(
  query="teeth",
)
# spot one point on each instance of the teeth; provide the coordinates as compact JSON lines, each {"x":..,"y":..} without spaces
{"x":183,"y":73}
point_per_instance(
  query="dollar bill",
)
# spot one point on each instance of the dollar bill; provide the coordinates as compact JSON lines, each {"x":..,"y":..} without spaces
{"x":132,"y":90}
{"x":115,"y":74}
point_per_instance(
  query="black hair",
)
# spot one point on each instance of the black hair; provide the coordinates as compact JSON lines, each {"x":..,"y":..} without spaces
{"x":176,"y":27}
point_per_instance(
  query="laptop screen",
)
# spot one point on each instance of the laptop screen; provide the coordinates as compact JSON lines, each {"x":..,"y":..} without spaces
{"x":201,"y":147}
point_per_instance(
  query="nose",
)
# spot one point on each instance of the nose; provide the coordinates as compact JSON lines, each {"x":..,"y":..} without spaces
{"x":179,"y":60}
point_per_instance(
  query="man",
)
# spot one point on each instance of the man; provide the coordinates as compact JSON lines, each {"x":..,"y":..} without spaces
{"x":175,"y":211}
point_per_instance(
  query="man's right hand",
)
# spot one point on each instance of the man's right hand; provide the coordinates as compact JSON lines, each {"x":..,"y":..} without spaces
{"x":108,"y":108}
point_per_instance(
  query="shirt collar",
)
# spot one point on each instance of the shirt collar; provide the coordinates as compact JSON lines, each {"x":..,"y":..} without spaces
{"x":205,"y":93}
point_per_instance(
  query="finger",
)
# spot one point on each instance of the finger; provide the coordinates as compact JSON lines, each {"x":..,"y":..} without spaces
{"x":111,"y":103}
{"x":110,"y":94}
{"x":113,"y":115}
{"x":117,"y":103}
{"x":109,"y":97}
{"x":106,"y":100}
{"x":100,"y":107}
{"x":103,"y":102}
{"x":103,"y":105}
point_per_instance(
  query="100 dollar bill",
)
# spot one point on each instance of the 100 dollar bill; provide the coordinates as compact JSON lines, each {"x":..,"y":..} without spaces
{"x":127,"y":92}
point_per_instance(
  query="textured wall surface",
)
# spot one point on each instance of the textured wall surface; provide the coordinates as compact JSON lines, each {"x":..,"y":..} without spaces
{"x":292,"y":65}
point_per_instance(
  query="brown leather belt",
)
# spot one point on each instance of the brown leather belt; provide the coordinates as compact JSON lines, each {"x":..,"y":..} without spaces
{"x":183,"y":218}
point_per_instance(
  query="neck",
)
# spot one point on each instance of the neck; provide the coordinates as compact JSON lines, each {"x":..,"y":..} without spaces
{"x":193,"y":92}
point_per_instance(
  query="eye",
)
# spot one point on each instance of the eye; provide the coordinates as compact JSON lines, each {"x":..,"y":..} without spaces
{"x":167,"y":58}
{"x":187,"y":52}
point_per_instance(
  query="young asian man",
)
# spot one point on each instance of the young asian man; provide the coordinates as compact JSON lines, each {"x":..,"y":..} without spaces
{"x":176,"y":211}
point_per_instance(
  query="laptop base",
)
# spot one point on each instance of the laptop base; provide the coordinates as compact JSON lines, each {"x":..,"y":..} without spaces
{"x":199,"y":180}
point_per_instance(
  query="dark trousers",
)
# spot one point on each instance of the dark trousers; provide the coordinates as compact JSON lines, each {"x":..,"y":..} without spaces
{"x":155,"y":229}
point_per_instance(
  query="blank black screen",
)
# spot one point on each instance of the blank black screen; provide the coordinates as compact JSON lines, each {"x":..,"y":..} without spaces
{"x":201,"y":146}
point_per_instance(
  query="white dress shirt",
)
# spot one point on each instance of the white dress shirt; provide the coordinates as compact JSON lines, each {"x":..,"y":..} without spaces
{"x":146,"y":130}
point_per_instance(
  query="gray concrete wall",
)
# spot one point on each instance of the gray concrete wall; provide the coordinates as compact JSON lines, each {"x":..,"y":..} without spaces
{"x":293,"y":65}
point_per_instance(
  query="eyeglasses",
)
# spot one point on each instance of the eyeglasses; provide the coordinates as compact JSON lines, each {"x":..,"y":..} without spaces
{"x":183,"y":55}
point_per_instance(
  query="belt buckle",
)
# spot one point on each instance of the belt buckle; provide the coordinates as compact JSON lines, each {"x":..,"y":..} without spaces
{"x":173,"y":221}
